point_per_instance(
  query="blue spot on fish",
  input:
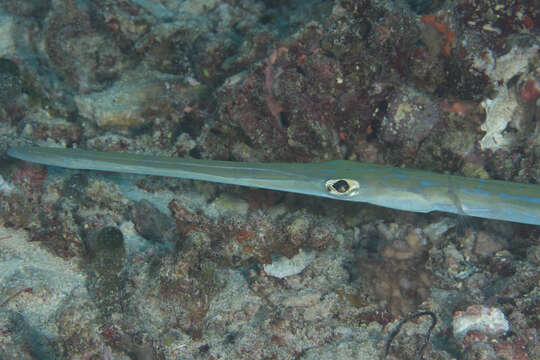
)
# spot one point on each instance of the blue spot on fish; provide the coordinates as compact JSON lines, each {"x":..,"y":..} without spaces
{"x":522,"y":198}
{"x":429,"y":183}
{"x":399,"y":176}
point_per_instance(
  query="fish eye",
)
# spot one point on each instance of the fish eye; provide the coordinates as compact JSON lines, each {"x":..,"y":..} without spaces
{"x":342,"y":186}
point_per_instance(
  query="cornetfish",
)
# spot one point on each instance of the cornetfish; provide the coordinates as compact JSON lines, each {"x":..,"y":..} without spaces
{"x":396,"y":188}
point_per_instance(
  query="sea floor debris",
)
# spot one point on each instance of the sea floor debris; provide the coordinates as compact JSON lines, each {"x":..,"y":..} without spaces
{"x":402,"y":83}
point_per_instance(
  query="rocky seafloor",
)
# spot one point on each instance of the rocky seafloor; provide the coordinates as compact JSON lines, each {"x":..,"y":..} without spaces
{"x":96,"y":265}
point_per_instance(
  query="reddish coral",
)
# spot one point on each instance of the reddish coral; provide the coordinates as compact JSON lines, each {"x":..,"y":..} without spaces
{"x":109,"y":332}
{"x":382,"y":316}
{"x":261,"y":199}
{"x":184,"y":218}
{"x":58,"y":238}
{"x":244,"y":235}
{"x":530,"y":92}
{"x":58,"y":130}
{"x":528,"y":22}
{"x":448,"y":34}
{"x":473,"y":337}
{"x":458,"y":107}
{"x":68,"y":22}
{"x":298,"y":101}
{"x":29,"y":176}
{"x":515,"y":350}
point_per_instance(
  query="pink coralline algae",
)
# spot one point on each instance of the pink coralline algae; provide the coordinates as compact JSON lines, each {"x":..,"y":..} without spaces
{"x":30,"y":176}
{"x":297,"y":102}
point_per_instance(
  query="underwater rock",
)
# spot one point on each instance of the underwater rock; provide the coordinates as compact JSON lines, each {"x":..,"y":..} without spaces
{"x":489,"y":321}
{"x":10,"y":81}
{"x":38,"y":8}
{"x":134,"y":97}
{"x":14,"y":36}
{"x":152,"y":224}
{"x":74,"y":188}
{"x":119,"y":106}
{"x":283,"y":267}
{"x":41,"y":125}
{"x":107,"y":253}
{"x":109,"y":238}
{"x":106,"y":247}
{"x":413,"y":245}
{"x":398,"y":276}
{"x":26,"y":339}
{"x":35,"y":286}
{"x":409,"y":119}
{"x":504,"y":109}
{"x":486,"y":245}
{"x":228,"y":203}
{"x":298,"y":230}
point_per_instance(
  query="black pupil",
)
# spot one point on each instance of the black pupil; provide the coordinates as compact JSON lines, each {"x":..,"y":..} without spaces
{"x":341,"y":186}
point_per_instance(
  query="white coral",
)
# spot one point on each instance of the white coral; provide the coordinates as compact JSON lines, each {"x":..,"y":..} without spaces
{"x":504,"y":108}
{"x":489,"y":321}
{"x":500,"y":112}
{"x":283,"y":267}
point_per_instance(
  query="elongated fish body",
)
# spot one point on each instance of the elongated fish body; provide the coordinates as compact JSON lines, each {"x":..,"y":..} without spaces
{"x":403,"y":189}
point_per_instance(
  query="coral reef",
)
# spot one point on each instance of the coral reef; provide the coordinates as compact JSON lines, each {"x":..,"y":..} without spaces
{"x":10,"y":81}
{"x":105,"y":266}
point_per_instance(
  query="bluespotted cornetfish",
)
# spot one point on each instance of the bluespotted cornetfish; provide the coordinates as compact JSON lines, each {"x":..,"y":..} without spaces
{"x":396,"y":188}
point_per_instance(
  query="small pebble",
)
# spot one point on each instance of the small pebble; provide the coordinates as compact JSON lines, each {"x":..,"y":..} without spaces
{"x":489,"y":321}
{"x":283,"y":267}
{"x":152,"y":224}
